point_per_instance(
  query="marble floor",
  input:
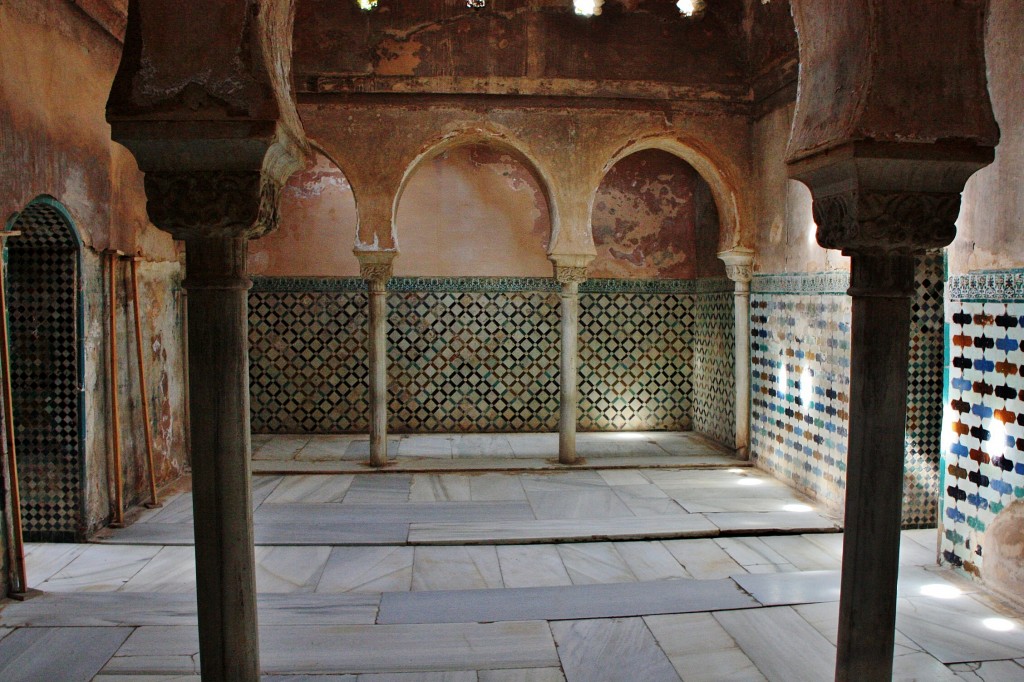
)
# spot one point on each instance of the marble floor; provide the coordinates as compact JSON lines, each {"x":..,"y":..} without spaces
{"x":609,"y":573}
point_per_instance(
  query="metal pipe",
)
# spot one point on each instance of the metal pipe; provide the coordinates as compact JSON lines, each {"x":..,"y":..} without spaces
{"x":133,"y":261}
{"x":17,"y":540}
{"x":115,"y":414}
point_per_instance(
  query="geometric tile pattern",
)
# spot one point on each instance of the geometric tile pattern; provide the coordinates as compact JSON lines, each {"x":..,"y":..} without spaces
{"x":473,"y":361}
{"x":983,"y":458}
{"x":800,"y":388}
{"x":43,"y":313}
{"x":800,"y":357}
{"x":308,"y":362}
{"x":482,"y":355}
{"x":636,"y":361}
{"x":924,"y":394}
{"x":714,"y":374}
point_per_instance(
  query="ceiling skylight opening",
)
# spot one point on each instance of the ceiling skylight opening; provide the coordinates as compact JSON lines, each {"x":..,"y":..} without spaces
{"x":367,"y":5}
{"x":587,"y":8}
{"x":690,"y":8}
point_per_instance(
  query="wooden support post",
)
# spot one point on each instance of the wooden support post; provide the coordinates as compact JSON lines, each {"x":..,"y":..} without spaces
{"x":133,"y":262}
{"x":17,"y":544}
{"x":115,"y":413}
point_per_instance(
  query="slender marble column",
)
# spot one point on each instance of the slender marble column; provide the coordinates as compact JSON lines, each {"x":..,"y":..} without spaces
{"x":739,"y":268}
{"x":218,"y":342}
{"x":569,"y":278}
{"x":375,"y":267}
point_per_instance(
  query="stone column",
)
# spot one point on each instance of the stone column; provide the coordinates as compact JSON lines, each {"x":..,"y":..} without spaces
{"x":880,"y":230}
{"x":213,"y":211}
{"x":739,"y":268}
{"x":569,"y":277}
{"x":375,"y":267}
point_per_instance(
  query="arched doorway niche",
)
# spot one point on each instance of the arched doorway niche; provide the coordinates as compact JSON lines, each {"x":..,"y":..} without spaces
{"x":656,"y":319}
{"x":46,"y":329}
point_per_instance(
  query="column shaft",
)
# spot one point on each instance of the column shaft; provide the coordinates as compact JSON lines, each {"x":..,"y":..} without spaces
{"x":221,"y":485}
{"x":378,"y":334}
{"x":569,"y":393}
{"x":881,"y":287}
{"x":741,"y":302}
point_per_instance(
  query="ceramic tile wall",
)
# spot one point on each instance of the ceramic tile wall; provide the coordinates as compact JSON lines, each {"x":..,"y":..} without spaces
{"x":481,"y":354}
{"x":800,"y":364}
{"x":714,"y":372}
{"x":982,"y":466}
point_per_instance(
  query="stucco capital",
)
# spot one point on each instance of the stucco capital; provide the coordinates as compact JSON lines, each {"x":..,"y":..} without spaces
{"x":200,"y":204}
{"x":739,"y":263}
{"x":376,"y":267}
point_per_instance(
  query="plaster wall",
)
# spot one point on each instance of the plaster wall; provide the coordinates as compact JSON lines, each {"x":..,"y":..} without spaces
{"x":57,"y":68}
{"x":989,"y":234}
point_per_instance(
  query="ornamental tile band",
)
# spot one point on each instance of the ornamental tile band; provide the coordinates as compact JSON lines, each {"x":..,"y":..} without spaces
{"x":800,"y":283}
{"x":999,"y":285}
{"x":490,"y":285}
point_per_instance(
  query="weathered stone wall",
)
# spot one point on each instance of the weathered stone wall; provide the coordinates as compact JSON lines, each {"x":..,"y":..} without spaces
{"x":59,"y":61}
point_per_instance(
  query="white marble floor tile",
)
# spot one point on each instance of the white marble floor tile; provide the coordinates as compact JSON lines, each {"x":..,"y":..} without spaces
{"x":360,"y":448}
{"x":624,"y":477}
{"x":455,"y":568}
{"x":262,"y":487}
{"x":783,"y":646}
{"x":700,"y":649}
{"x":157,"y":649}
{"x":703,"y":559}
{"x":650,"y":561}
{"x":323,"y":447}
{"x":64,"y":654}
{"x":824,"y":617}
{"x":310,"y":489}
{"x":563,"y":481}
{"x":173,"y":569}
{"x":423,"y":648}
{"x":496,"y":488}
{"x":289,"y":569}
{"x":801,"y":552}
{"x":533,"y":444}
{"x":437,"y":676}
{"x":988,"y":671}
{"x":955,"y":630}
{"x":280,"y":447}
{"x":100,"y":568}
{"x":564,"y":530}
{"x":589,"y":563}
{"x":482,"y":445}
{"x":531,"y":566}
{"x":43,"y":559}
{"x":611,"y":650}
{"x":439,"y":488}
{"x":367,"y":569}
{"x":177,"y":510}
{"x":755,"y":555}
{"x":522,"y":675}
{"x":428,"y":446}
{"x":379,"y":489}
{"x":581,"y":504}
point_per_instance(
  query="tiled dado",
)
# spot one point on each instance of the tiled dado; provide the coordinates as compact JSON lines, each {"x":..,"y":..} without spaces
{"x":800,"y":380}
{"x":983,"y":464}
{"x":481,"y":354}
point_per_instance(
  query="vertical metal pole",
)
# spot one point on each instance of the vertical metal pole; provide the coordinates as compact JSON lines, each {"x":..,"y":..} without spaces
{"x":19,"y":570}
{"x":115,"y":413}
{"x":133,"y":261}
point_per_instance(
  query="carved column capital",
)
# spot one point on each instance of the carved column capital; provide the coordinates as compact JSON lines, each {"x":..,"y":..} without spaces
{"x":739,"y":264}
{"x":570,"y":274}
{"x":205,"y":204}
{"x":376,"y":267}
{"x":873,"y":221}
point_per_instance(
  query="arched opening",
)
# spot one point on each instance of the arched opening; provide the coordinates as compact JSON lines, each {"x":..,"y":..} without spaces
{"x":45,"y":318}
{"x":474,"y":320}
{"x":656,"y":320}
{"x":481,"y":201}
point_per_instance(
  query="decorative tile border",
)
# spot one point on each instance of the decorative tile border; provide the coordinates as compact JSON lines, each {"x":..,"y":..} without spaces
{"x":819,"y":283}
{"x":491,"y":285}
{"x":997,"y":285}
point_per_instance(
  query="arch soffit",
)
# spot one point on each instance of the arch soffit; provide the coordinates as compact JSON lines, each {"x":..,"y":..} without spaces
{"x":496,"y":140}
{"x":711,"y":170}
